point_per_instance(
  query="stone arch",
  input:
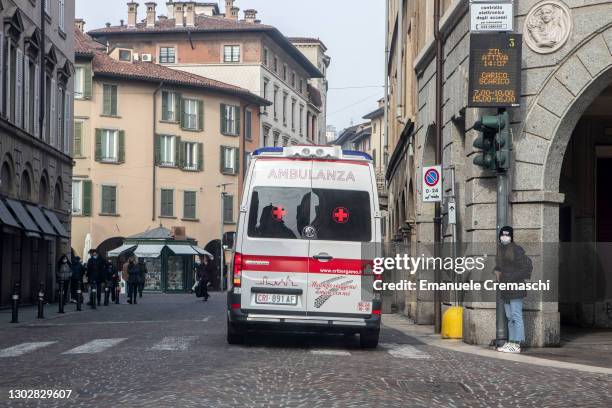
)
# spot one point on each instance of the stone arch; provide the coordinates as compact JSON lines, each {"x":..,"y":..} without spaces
{"x":562,"y":101}
{"x":7,"y":176}
{"x":25,"y":185}
{"x":58,"y":194}
{"x":43,"y":189}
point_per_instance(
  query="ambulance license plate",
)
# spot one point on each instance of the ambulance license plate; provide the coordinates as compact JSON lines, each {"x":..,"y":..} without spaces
{"x":275,"y":299}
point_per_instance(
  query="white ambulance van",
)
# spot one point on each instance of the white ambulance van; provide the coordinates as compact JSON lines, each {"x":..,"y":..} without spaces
{"x":308,"y":229}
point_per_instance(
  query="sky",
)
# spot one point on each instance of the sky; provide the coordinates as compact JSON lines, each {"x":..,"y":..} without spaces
{"x":352,"y":30}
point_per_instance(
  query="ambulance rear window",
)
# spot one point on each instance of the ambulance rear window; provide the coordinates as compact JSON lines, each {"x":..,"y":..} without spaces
{"x":303,"y":213}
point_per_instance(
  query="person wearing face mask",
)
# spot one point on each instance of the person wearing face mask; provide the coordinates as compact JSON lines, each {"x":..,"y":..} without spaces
{"x":512,"y":265}
{"x":96,"y":273}
{"x":63,"y":275}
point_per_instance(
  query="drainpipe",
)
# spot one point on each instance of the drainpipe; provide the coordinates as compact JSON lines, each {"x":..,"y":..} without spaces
{"x":400,"y":68}
{"x":438,"y":210}
{"x":41,"y":93}
{"x":386,"y":106}
{"x":154,"y":201}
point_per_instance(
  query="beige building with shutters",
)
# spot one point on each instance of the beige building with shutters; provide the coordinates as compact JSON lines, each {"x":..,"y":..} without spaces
{"x":151,"y":145}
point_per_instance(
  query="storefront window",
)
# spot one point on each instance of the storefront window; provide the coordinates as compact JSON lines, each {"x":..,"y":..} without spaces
{"x":154,"y":275}
{"x":176,"y":273}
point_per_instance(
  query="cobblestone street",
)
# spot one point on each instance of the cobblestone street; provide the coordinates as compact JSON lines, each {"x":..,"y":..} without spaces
{"x":170,"y":351}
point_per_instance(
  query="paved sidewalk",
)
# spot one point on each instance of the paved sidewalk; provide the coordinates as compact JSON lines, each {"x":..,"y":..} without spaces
{"x":591,"y":362}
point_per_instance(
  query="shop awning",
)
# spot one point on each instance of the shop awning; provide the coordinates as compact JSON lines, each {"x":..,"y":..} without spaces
{"x":6,"y":217}
{"x":148,"y":251}
{"x":201,"y":251}
{"x":41,"y":221}
{"x":55,"y":222}
{"x":118,"y":251}
{"x":24,"y":218}
{"x":182,"y":250}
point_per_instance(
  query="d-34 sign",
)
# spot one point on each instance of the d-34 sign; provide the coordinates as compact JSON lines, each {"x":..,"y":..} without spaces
{"x":432,"y":184}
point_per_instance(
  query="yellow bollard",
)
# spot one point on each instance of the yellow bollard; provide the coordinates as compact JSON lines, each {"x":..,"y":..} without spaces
{"x":452,"y":323}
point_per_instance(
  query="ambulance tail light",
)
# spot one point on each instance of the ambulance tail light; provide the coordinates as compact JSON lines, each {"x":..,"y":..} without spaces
{"x":237,"y":271}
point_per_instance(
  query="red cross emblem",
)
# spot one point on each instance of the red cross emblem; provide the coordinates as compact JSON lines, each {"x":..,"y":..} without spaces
{"x":341,"y":215}
{"x":278,"y":213}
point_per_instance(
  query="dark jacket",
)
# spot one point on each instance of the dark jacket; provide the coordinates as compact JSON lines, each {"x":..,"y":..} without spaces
{"x":142,"y":268}
{"x":96,"y":270}
{"x":112,"y":273}
{"x":64,"y":271}
{"x":78,"y":270}
{"x":202,"y":272}
{"x":515,"y":267}
{"x":133,"y":273}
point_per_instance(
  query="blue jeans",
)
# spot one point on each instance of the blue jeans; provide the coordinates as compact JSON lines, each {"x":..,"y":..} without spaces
{"x":514,"y":314}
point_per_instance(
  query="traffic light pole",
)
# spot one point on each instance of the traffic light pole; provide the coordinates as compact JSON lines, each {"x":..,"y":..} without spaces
{"x":501,"y":332}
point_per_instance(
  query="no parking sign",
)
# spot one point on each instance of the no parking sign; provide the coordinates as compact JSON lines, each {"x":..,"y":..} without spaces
{"x":432,"y":184}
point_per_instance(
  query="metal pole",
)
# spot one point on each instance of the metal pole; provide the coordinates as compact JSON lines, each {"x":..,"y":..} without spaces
{"x":453,"y":222}
{"x":61,"y":297}
{"x":221,"y":243}
{"x":15,"y":303}
{"x":501,"y":330}
{"x":41,"y":301}
{"x":438,"y":213}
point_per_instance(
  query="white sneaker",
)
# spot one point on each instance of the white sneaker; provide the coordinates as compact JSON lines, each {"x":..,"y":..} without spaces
{"x":512,"y":348}
{"x":504,"y":347}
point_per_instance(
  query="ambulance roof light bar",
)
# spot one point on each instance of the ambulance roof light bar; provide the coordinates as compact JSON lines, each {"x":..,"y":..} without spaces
{"x":320,"y":152}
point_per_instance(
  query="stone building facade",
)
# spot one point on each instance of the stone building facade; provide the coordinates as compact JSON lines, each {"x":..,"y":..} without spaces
{"x":561,"y":135}
{"x":36,"y":69}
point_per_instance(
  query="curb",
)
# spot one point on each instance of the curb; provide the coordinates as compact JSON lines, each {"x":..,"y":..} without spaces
{"x":424,"y":334}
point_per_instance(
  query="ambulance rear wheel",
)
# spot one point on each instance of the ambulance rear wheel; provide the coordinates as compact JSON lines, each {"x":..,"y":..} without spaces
{"x":234,"y":336}
{"x":369,"y":338}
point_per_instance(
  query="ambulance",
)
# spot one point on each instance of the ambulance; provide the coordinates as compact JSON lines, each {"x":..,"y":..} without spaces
{"x":308,"y":229}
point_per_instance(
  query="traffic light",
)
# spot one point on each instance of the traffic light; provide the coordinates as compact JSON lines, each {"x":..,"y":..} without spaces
{"x":502,"y":141}
{"x":487,"y":126}
{"x":494,"y":141}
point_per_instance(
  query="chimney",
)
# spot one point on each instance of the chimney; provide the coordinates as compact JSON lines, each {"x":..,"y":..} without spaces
{"x":121,"y":22}
{"x":179,"y":14}
{"x":250,"y":15}
{"x":190,"y":13}
{"x":79,"y":24}
{"x":151,"y":14}
{"x":170,"y":7}
{"x":231,"y":12}
{"x":132,"y":14}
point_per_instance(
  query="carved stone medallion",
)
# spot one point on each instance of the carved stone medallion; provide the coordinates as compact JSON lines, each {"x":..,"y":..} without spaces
{"x":547,"y":27}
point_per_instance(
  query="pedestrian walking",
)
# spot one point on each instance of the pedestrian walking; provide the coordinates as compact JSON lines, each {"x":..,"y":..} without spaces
{"x":63,"y":274}
{"x":78,"y":271}
{"x":96,"y":273}
{"x":124,"y":277}
{"x":113,"y":280}
{"x":142,"y":276}
{"x":133,"y":277}
{"x":204,"y":271}
{"x":512,"y":265}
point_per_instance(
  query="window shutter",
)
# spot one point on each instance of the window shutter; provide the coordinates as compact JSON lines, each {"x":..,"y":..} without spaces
{"x":122,"y":146}
{"x":177,"y":151}
{"x":87,"y":197}
{"x":87,"y":81}
{"x":177,"y":108}
{"x":164,"y":97}
{"x":180,"y":149}
{"x":52,"y":127}
{"x":182,"y":114}
{"x":200,"y":156}
{"x":237,"y":112}
{"x":26,"y":92}
{"x":222,"y":159}
{"x":236,"y":161}
{"x":19,"y":88}
{"x":200,"y":115}
{"x":36,"y":101}
{"x":77,"y":144}
{"x":157,"y":149}
{"x":1,"y":72}
{"x":113,"y":100}
{"x":98,"y":155}
{"x":223,"y":118}
{"x":113,"y":199}
{"x":247,"y":124}
{"x":67,"y":121}
{"x":106,"y":100}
